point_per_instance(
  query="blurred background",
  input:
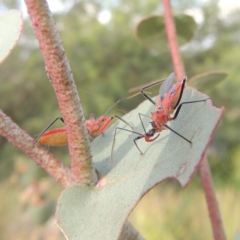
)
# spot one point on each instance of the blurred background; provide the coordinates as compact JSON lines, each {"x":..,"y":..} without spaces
{"x":107,"y":60}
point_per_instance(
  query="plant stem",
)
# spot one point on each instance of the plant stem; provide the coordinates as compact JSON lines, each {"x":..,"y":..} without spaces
{"x":204,"y":169}
{"x":172,"y":40}
{"x":214,"y":213}
{"x":129,"y":233}
{"x":61,"y":77}
{"x":21,"y":140}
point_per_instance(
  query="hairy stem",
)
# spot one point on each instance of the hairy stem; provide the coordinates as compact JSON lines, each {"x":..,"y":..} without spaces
{"x":61,"y":77}
{"x":15,"y":135}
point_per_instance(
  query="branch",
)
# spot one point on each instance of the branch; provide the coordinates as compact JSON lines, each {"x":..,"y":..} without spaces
{"x":61,"y":77}
{"x":172,"y":40}
{"x":214,"y":213}
{"x":204,"y":169}
{"x":24,"y":142}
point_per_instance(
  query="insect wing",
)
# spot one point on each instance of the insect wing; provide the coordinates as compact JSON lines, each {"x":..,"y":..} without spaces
{"x":166,"y":86}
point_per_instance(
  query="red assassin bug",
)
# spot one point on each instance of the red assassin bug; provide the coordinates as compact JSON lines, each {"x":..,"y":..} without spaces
{"x":58,"y":136}
{"x":167,"y":103}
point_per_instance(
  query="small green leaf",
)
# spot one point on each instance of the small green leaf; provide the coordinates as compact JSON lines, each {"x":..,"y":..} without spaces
{"x":152,"y":33}
{"x":11,"y":24}
{"x":207,"y":80}
{"x":185,"y":27}
{"x":85,"y":212}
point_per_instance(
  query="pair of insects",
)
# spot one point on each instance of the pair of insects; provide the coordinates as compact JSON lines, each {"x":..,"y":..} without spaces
{"x":168,"y":103}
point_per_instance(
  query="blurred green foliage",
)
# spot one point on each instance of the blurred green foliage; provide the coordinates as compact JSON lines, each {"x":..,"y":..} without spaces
{"x":106,"y":61}
{"x":152,"y":33}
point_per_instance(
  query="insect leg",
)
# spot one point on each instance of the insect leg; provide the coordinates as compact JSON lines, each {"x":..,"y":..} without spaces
{"x":114,"y":139}
{"x":146,"y":95}
{"x":58,"y":118}
{"x":165,"y":125}
{"x":181,"y":104}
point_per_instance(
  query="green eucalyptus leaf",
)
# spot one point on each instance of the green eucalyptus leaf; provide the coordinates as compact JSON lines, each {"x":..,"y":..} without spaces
{"x":99,"y":212}
{"x":11,"y":24}
{"x":151,"y":31}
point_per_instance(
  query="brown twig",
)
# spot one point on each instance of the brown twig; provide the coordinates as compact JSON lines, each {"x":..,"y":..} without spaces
{"x":204,"y":169}
{"x":61,"y":77}
{"x":172,"y":40}
{"x":24,"y":142}
{"x":214,"y":213}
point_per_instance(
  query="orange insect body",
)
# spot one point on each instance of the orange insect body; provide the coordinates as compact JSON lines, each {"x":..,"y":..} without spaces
{"x":170,"y":95}
{"x":55,"y":137}
{"x":158,"y":118}
{"x":97,"y":126}
{"x":166,"y":107}
{"x":170,"y":101}
{"x":58,"y":136}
